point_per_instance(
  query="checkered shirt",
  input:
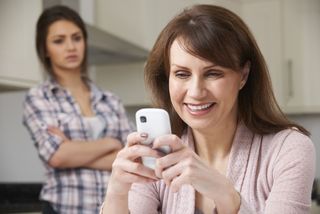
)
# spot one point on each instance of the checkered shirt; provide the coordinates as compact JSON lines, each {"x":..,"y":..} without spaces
{"x":72,"y":190}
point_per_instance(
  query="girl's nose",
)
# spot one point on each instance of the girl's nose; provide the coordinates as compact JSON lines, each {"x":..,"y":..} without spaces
{"x":70,"y":44}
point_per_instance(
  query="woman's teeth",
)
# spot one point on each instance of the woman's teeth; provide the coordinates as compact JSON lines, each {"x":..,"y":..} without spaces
{"x":199,"y":107}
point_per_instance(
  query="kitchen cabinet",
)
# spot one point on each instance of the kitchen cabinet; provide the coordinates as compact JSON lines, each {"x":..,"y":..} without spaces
{"x":263,"y":17}
{"x":125,"y":19}
{"x":19,"y":67}
{"x":288,"y":32}
{"x":301,"y":31}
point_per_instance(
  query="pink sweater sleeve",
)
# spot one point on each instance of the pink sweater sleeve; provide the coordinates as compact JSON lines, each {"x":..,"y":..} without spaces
{"x":143,"y":198}
{"x":293,"y":174}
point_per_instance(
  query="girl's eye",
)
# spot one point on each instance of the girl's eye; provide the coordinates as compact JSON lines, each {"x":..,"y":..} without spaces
{"x":77,"y":38}
{"x":58,"y":41}
{"x":182,"y":74}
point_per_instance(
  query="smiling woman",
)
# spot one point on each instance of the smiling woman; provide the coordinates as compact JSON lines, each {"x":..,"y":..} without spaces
{"x":202,"y":93}
{"x":77,"y":128}
{"x":233,"y":150}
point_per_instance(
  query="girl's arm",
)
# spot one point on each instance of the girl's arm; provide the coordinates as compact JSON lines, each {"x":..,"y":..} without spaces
{"x":71,"y":154}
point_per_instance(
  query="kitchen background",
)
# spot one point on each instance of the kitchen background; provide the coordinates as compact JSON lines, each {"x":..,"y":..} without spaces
{"x":287,"y":31}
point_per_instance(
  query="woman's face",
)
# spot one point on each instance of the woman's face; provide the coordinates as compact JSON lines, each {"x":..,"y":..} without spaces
{"x":65,"y":46}
{"x":202,"y":93}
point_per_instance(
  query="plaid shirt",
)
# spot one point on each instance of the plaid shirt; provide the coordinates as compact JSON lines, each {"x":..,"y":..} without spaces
{"x":71,"y":190}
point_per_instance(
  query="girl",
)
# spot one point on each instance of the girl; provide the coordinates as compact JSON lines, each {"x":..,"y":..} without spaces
{"x":77,"y":128}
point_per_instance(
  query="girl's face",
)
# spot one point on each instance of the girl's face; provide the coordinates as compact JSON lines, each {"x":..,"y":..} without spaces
{"x":202,"y":93}
{"x":65,"y":46}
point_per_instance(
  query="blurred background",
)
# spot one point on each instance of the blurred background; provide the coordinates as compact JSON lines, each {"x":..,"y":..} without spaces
{"x":121,"y":33}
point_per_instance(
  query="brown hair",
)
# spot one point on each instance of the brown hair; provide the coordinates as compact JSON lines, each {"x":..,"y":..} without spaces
{"x":220,"y":36}
{"x":48,"y":17}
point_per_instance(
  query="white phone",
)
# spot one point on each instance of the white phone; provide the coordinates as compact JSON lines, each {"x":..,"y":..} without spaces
{"x":155,"y":122}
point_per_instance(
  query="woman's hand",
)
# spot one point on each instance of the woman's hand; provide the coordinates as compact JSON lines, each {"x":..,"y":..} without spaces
{"x":127,"y":167}
{"x":184,"y":166}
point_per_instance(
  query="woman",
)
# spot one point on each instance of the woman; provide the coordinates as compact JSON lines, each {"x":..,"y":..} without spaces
{"x":233,"y":150}
{"x":77,"y":128}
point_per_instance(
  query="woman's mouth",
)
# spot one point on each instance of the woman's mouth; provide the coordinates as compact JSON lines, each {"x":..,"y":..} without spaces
{"x":199,"y":109}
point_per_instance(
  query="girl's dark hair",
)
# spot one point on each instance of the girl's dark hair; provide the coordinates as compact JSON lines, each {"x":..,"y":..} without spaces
{"x":220,"y":36}
{"x":48,"y":17}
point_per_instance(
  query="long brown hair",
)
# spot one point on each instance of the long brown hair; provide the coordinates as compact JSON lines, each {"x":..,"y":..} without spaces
{"x":216,"y":34}
{"x":46,"y":19}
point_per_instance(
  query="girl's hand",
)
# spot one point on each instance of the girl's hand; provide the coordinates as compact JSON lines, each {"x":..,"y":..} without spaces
{"x":56,"y":131}
{"x":127,"y":167}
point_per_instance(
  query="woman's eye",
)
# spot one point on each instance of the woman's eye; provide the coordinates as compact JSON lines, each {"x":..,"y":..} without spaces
{"x":182,"y":74}
{"x":214,"y":74}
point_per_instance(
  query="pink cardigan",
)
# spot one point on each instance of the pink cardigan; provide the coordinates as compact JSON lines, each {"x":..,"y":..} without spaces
{"x":273,"y":174}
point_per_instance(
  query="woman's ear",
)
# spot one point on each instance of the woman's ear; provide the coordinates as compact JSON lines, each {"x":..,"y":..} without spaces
{"x":244,"y":74}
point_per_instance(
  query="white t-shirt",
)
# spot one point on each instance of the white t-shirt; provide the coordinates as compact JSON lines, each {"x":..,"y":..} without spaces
{"x":94,"y":126}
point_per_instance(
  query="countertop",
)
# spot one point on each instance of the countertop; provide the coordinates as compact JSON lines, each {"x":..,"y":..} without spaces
{"x":20,"y":197}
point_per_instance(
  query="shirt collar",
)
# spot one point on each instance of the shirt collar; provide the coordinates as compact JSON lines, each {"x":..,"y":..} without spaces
{"x":55,"y":88}
{"x":96,"y":93}
{"x":52,"y":84}
{"x":239,"y":155}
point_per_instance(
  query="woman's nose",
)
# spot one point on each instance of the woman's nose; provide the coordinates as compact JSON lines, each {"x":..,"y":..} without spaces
{"x":197,"y":89}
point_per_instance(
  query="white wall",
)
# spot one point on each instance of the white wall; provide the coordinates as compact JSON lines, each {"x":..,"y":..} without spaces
{"x":19,"y":161}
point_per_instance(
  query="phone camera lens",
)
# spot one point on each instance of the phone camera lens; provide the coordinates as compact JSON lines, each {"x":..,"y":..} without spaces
{"x":143,"y":119}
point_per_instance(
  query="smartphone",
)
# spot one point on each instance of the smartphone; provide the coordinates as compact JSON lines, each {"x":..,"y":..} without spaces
{"x":155,"y":122}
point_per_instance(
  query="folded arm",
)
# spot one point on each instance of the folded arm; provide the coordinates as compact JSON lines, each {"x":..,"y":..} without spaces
{"x":97,"y":154}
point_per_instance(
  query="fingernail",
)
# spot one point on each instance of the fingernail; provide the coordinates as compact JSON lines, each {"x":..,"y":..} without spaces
{"x":144,"y":135}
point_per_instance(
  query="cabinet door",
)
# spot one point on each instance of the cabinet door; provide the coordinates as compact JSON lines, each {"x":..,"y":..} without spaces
{"x":288,"y":32}
{"x":19,"y":66}
{"x":302,"y":54}
{"x":264,"y":21}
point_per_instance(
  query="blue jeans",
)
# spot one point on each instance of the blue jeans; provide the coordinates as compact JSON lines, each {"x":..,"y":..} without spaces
{"x":47,"y":208}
